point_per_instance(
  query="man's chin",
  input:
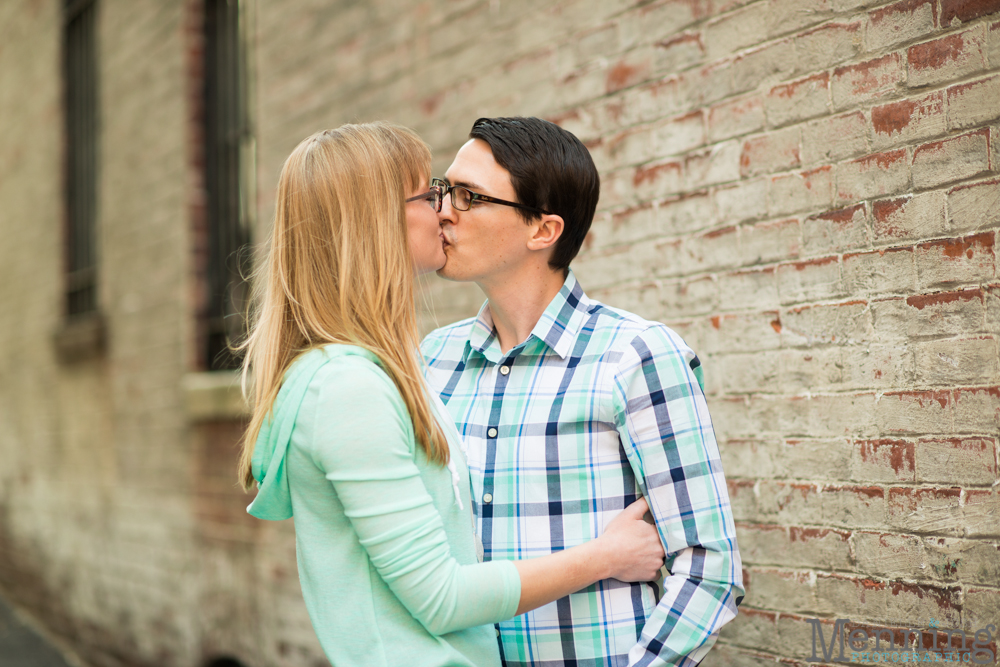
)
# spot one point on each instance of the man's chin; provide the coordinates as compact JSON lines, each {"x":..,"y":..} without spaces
{"x":448,"y":271}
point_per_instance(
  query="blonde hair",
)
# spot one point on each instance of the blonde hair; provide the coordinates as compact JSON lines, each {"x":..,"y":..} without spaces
{"x":339,"y":270}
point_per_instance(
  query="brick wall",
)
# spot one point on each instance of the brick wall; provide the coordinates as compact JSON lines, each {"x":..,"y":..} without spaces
{"x":807,"y":191}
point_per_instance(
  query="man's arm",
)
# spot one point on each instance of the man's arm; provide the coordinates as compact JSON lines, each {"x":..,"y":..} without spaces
{"x":662,"y":418}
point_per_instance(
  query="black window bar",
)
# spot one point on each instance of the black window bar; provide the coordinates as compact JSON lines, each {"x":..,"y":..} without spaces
{"x":227,"y":137}
{"x":79,"y":67}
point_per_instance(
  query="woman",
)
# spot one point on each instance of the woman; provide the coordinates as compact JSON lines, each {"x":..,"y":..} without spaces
{"x":346,"y":438}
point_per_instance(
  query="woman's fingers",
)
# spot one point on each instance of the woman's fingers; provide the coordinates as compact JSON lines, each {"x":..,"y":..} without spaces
{"x":638,"y":553}
{"x":636,"y":509}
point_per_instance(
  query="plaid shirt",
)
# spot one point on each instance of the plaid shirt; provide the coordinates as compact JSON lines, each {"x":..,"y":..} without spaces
{"x":597,"y":407}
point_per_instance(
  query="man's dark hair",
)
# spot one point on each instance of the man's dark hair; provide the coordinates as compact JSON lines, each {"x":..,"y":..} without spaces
{"x":551,"y":170}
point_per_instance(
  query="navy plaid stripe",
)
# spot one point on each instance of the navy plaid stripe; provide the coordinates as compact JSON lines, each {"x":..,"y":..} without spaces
{"x":598,"y":407}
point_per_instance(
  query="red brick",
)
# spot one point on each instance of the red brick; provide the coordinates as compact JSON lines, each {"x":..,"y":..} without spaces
{"x":798,"y":100}
{"x":934,"y":510}
{"x":744,"y":200}
{"x":708,"y":84}
{"x":891,"y":599}
{"x":938,"y":314}
{"x":683,"y":298}
{"x":808,"y":370}
{"x":828,"y":45}
{"x":746,"y":373}
{"x":804,"y":191}
{"x":735,"y":118}
{"x":771,"y":241}
{"x":977,"y":409}
{"x":900,"y":22}
{"x":993,"y":43}
{"x":735,"y":31}
{"x":971,"y":259}
{"x":678,"y":134}
{"x":643,"y":104}
{"x":966,"y":10}
{"x":668,"y":17}
{"x":829,"y":140}
{"x":678,"y":52}
{"x":793,"y":546}
{"x":963,"y":361}
{"x":982,"y":513}
{"x":958,"y":460}
{"x":681,"y":215}
{"x":808,"y":327}
{"x":632,"y":68}
{"x":787,"y":16}
{"x":855,"y":506}
{"x":836,"y":231}
{"x":811,"y":280}
{"x":658,"y":179}
{"x":878,"y":366}
{"x":774,"y":62}
{"x":907,"y":121}
{"x":888,"y":555}
{"x":954,"y":159}
{"x":664,"y":138}
{"x":873,"y":176}
{"x":771,"y":152}
{"x":854,"y":85}
{"x":918,"y":412}
{"x":749,"y":332}
{"x":888,"y":271}
{"x":975,"y":103}
{"x":715,"y":165}
{"x":808,"y":190}
{"x":974,"y":207}
{"x":636,"y":223}
{"x":717,"y":249}
{"x":755,"y":288}
{"x":946,"y":58}
{"x":909,"y":218}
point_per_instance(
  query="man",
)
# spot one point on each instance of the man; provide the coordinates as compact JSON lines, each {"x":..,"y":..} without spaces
{"x":571,"y":409}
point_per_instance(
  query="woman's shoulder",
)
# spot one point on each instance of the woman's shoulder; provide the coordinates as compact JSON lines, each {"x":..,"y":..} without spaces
{"x":348,"y":373}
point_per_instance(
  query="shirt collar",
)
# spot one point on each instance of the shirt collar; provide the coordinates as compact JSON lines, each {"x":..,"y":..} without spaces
{"x":558,"y":326}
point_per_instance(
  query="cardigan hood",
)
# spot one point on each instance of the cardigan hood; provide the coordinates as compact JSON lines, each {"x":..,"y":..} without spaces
{"x":274,"y":500}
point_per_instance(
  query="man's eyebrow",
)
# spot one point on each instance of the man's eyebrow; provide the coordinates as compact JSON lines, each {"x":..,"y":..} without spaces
{"x":463,"y":184}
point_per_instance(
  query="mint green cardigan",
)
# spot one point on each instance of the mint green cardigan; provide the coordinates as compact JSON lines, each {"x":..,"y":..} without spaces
{"x":386,"y":556}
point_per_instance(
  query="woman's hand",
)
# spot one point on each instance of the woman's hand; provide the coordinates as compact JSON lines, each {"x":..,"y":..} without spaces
{"x":632,"y":547}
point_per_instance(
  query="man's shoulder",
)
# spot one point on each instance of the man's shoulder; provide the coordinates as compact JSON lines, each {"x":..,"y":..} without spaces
{"x":624,"y":329}
{"x":447,"y":340}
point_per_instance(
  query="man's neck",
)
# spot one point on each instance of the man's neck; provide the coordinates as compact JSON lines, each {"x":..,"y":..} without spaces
{"x":518,"y":301}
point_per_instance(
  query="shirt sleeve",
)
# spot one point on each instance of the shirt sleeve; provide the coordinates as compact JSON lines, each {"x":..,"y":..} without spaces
{"x":364,"y":444}
{"x":662,"y":418}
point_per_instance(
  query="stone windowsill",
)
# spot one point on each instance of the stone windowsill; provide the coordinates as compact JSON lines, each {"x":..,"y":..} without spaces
{"x":214,"y":396}
{"x":80,"y":338}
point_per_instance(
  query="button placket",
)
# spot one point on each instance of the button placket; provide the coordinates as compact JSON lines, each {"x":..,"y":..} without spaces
{"x":499,"y":376}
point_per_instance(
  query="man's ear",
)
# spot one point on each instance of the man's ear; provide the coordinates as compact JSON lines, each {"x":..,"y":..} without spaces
{"x":547,"y":231}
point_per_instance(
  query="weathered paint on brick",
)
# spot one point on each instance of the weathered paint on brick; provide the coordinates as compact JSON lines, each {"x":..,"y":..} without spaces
{"x":805,"y":190}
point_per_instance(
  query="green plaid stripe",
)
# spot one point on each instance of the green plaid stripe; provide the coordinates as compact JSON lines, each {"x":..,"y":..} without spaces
{"x":596,"y":408}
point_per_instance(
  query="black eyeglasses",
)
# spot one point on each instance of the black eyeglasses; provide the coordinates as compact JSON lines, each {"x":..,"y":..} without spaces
{"x":463,"y":198}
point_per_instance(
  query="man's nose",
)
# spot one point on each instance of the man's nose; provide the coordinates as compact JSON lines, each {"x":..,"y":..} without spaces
{"x":447,"y":212}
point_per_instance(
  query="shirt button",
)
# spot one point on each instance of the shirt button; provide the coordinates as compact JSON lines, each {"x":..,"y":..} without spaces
{"x":504,"y":370}
{"x":492,"y":433}
{"x":487,"y":498}
{"x":498,"y":631}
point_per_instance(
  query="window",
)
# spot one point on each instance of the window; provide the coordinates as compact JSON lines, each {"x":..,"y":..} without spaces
{"x":227,"y":160}
{"x":79,"y":67}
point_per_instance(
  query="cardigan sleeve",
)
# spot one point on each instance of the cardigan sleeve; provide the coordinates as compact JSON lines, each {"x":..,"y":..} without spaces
{"x":364,"y":444}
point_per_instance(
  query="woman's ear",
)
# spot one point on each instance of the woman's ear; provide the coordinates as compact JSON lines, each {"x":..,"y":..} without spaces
{"x":547,"y":230}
